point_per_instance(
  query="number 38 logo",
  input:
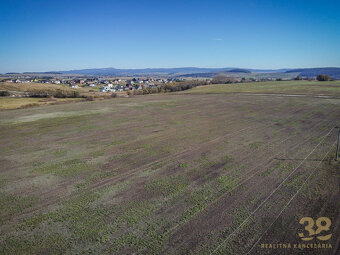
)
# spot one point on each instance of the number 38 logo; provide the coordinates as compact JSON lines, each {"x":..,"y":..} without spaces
{"x":322,"y":224}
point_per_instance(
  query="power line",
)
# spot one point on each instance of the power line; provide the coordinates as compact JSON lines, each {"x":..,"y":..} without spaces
{"x":264,"y":201}
{"x":291,"y":199}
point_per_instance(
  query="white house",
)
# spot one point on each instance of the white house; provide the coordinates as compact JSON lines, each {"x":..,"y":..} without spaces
{"x":107,"y":89}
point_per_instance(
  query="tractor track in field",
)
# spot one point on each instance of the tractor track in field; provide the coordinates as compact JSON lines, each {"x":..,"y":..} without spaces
{"x":272,"y":192}
{"x":176,"y":156}
{"x":290,"y":200}
{"x":265,"y":163}
{"x":160,"y":190}
{"x":101,"y":184}
{"x":218,"y":209}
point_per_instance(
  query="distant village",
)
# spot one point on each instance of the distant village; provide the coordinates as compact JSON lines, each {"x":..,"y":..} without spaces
{"x":106,"y":84}
{"x":102,"y":84}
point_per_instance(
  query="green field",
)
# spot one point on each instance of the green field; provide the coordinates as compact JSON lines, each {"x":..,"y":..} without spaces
{"x":331,"y":88}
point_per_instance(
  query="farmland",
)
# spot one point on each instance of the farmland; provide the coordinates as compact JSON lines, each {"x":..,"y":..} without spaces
{"x":23,"y":102}
{"x":36,"y":87}
{"x":330,"y":88}
{"x":205,"y":171}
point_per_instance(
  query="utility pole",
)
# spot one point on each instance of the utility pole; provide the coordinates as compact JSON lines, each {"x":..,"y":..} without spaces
{"x":337,"y":146}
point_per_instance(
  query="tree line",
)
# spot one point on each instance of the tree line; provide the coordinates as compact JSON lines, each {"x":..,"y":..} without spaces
{"x":170,"y":87}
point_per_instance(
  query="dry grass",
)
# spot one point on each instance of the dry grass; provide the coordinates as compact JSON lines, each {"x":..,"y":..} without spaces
{"x":8,"y":103}
{"x":32,"y":87}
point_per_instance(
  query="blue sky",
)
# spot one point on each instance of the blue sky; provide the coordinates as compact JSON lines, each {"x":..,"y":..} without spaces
{"x":62,"y":35}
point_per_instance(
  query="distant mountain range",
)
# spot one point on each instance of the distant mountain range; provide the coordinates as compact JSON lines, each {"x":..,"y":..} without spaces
{"x":305,"y":72}
{"x":164,"y":71}
{"x":237,"y":70}
{"x":334,"y":72}
{"x":144,"y":71}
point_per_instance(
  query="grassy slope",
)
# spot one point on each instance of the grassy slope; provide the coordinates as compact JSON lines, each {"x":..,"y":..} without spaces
{"x":23,"y":87}
{"x":8,"y":103}
{"x":285,"y":87}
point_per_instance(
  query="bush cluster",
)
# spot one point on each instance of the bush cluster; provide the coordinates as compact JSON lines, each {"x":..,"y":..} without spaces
{"x":57,"y":93}
{"x":173,"y":87}
{"x":323,"y":77}
{"x":90,"y":98}
{"x":184,"y":85}
{"x":146,"y":91}
{"x":222,"y":79}
{"x":4,"y":93}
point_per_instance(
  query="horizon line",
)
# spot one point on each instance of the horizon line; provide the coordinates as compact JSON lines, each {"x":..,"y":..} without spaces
{"x":246,"y":68}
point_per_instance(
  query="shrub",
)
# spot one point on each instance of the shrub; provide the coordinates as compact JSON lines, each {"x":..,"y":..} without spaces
{"x":222,"y":79}
{"x":39,"y":93}
{"x":90,"y":98}
{"x":114,"y":95}
{"x":183,"y":85}
{"x":107,"y":96}
{"x":173,"y":87}
{"x":48,"y":99}
{"x":4,"y":93}
{"x":57,"y":93}
{"x":75,"y":94}
{"x":323,"y":77}
{"x":29,"y":105}
{"x":138,"y":92}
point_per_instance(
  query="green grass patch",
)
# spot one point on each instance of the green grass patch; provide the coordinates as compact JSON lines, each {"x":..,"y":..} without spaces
{"x":205,"y":162}
{"x":197,"y":201}
{"x":60,"y":153}
{"x":295,"y":183}
{"x":65,"y":169}
{"x":183,"y":165}
{"x":268,"y":171}
{"x":255,"y":145}
{"x":167,"y":186}
{"x":225,"y":183}
{"x":12,"y":204}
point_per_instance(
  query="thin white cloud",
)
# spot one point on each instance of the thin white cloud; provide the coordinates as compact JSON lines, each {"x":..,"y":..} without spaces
{"x":217,"y":39}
